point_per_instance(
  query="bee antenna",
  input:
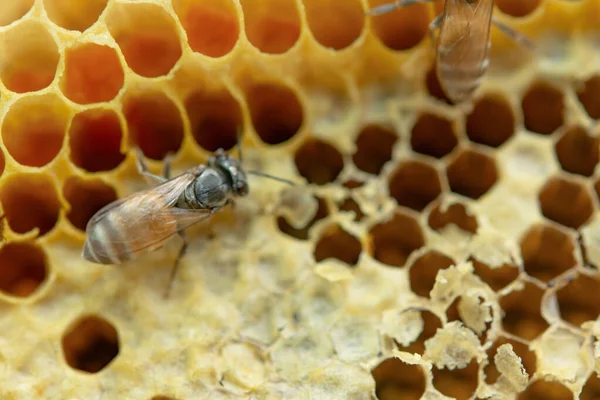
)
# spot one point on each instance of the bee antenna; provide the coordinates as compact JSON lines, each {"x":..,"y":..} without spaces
{"x":275,"y":178}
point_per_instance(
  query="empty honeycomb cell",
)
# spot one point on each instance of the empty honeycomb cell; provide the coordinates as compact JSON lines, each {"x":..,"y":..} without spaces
{"x":83,"y":82}
{"x":491,"y":122}
{"x":154,"y":123}
{"x":276,"y":112}
{"x":528,"y":359}
{"x":522,"y":316}
{"x":11,"y":11}
{"x":547,"y":252}
{"x":90,"y":344}
{"x":459,"y":383}
{"x":349,"y":204}
{"x":543,"y":107}
{"x":424,"y":270}
{"x":395,"y":379}
{"x":567,"y":202}
{"x":454,"y":214}
{"x":434,"y":88}
{"x":579,"y":300}
{"x":589,"y":96}
{"x":577,"y":152}
{"x":547,"y":390}
{"x":402,"y":28}
{"x":23,"y":268}
{"x":336,"y":243}
{"x":392,"y":241}
{"x":335,"y":24}
{"x":95,"y":140}
{"x":74,"y":15}
{"x":215,"y":118}
{"x":30,"y":57}
{"x":33,"y":120}
{"x":272,"y":26}
{"x":496,"y":278}
{"x":591,"y":389}
{"x":86,"y":197}
{"x":517,"y":8}
{"x":147,"y":36}
{"x":29,"y":201}
{"x":472,"y":174}
{"x":302,"y":234}
{"x":433,"y":135}
{"x":374,"y":147}
{"x":414,"y":184}
{"x":431,"y":324}
{"x":318,"y":161}
{"x":211,"y":25}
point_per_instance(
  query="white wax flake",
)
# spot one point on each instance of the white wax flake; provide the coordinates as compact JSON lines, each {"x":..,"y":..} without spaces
{"x":453,"y":346}
{"x":404,"y":326}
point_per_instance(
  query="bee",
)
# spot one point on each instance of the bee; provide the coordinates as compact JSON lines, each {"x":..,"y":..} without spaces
{"x":462,"y":56}
{"x":144,"y":221}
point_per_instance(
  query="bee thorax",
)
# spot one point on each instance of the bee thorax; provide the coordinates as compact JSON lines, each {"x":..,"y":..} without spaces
{"x":209,"y":190}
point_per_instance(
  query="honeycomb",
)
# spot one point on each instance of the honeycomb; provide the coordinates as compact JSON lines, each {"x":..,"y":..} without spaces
{"x":427,"y":251}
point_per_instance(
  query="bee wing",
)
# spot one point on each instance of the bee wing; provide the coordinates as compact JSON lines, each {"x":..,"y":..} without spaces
{"x":142,"y":221}
{"x":462,"y":22}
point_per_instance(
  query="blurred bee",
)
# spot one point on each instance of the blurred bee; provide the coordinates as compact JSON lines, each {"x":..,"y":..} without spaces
{"x":462,"y":55}
{"x":144,"y":221}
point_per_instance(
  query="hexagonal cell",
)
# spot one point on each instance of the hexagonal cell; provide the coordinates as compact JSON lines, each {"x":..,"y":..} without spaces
{"x":547,"y":252}
{"x":459,"y":383}
{"x":95,"y":140}
{"x":543,"y":107}
{"x":272,"y":26}
{"x":302,"y":234}
{"x":588,"y":96}
{"x":522,"y":312}
{"x":395,"y":379}
{"x":454,"y":214}
{"x":215,"y":118}
{"x":591,"y":389}
{"x":402,"y":28}
{"x":32,"y":120}
{"x":74,"y":15}
{"x":11,"y":11}
{"x":472,"y":174}
{"x":90,"y":344}
{"x":86,"y":197}
{"x":336,"y":243}
{"x":212,"y":26}
{"x":431,"y":323}
{"x":392,"y":241}
{"x":414,"y":184}
{"x":23,"y":268}
{"x":374,"y":146}
{"x":154,"y":123}
{"x":527,"y":356}
{"x":491,"y":122}
{"x":547,"y":390}
{"x":29,"y":201}
{"x":579,"y":300}
{"x":335,"y":25}
{"x":83,"y":82}
{"x":577,"y":152}
{"x":318,"y":161}
{"x":434,"y":88}
{"x":30,"y":57}
{"x":496,"y":278}
{"x":349,"y":204}
{"x":276,"y":112}
{"x":433,"y":135}
{"x":147,"y":36}
{"x":423,"y":271}
{"x":566,"y":202}
{"x":517,"y":8}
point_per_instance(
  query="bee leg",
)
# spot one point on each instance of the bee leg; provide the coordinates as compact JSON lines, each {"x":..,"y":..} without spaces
{"x":387,"y":7}
{"x":182,"y":252}
{"x":167,"y":166}
{"x":433,"y":26}
{"x":514,"y":35}
{"x":143,"y":168}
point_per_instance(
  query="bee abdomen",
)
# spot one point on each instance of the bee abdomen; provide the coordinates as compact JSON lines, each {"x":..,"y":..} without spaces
{"x":460,"y":81}
{"x":106,"y":243}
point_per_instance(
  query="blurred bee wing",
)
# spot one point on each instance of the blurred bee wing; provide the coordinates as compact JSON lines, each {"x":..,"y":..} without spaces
{"x":462,"y":21}
{"x":142,"y":221}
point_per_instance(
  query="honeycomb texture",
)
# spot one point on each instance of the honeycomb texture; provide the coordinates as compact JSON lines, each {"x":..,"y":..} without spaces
{"x":427,"y":251}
